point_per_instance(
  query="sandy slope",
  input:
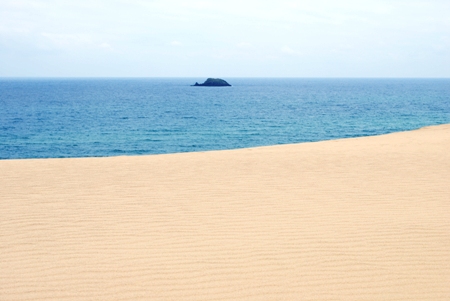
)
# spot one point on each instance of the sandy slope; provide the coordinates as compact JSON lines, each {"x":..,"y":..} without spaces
{"x":354,"y":219}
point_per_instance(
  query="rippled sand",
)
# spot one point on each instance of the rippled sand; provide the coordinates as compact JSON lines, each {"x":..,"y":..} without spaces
{"x":353,"y":219}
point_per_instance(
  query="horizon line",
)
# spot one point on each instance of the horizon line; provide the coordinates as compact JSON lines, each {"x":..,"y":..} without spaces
{"x":189,"y":77}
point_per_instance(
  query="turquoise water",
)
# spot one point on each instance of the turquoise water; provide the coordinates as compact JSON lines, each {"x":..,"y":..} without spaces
{"x":52,"y":118}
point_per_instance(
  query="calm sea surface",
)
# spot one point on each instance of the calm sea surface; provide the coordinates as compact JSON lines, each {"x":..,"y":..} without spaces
{"x":52,"y":118}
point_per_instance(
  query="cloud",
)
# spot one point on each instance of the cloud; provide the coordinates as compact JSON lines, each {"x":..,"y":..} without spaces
{"x":244,"y":45}
{"x":307,"y":32}
{"x":176,"y":43}
{"x":106,"y":46}
{"x":60,"y":40}
{"x":288,"y":50}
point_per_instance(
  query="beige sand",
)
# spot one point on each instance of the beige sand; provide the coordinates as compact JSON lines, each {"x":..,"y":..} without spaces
{"x":354,"y":219}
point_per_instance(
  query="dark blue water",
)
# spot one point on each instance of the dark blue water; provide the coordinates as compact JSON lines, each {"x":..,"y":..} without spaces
{"x":43,"y":118}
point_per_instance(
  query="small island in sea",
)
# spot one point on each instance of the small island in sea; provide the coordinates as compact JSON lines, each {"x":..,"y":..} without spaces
{"x":213,"y":82}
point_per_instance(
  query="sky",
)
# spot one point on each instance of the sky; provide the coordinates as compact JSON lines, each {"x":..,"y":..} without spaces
{"x":233,"y":38}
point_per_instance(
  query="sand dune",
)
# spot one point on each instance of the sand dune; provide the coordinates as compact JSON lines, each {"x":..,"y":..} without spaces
{"x":353,"y":219}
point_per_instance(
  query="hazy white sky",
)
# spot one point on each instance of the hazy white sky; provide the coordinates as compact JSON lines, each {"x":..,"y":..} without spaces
{"x":233,"y":38}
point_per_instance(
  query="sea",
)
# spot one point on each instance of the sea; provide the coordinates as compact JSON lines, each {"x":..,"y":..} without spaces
{"x":100,"y":117}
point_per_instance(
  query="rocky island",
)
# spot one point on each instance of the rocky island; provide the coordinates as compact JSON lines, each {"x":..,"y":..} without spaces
{"x":213,"y":82}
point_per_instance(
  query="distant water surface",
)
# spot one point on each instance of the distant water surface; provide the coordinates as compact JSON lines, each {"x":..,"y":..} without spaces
{"x":52,"y":118}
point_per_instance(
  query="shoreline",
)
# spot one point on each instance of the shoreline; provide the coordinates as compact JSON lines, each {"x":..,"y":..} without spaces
{"x":232,"y":149}
{"x":364,"y":218}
